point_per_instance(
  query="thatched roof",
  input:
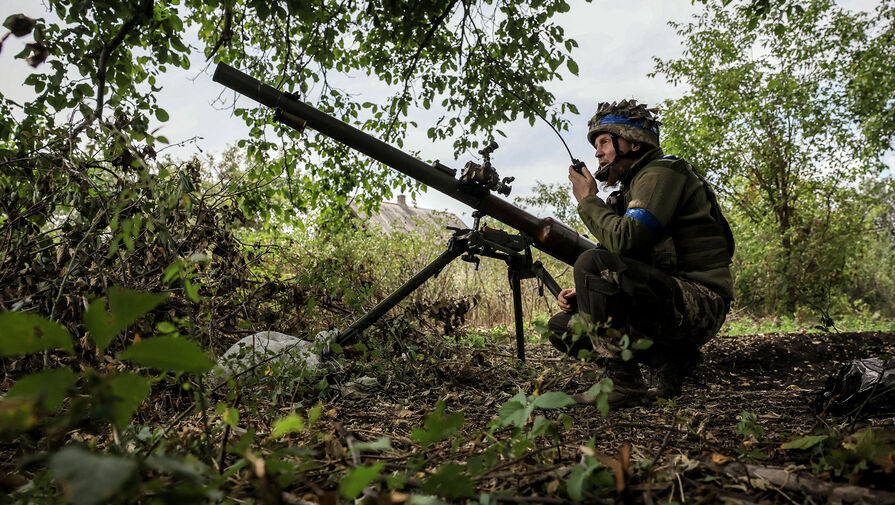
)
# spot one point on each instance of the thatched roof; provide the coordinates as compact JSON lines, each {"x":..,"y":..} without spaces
{"x":402,"y":217}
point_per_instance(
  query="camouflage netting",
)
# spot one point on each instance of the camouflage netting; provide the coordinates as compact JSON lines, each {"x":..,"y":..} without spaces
{"x":647,"y":132}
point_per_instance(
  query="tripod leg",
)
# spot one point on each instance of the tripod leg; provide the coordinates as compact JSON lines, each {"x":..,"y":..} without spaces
{"x":431,"y":270}
{"x":516,"y":285}
{"x":541,"y":273}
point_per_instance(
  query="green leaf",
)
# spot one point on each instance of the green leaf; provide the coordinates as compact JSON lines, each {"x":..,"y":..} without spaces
{"x":161,"y":115}
{"x":231,"y":416}
{"x":575,"y":482}
{"x":185,"y":469}
{"x":165,"y":327}
{"x":315,"y":413}
{"x":438,"y":426}
{"x":552,"y":400}
{"x":127,"y":306}
{"x":601,"y":391}
{"x":540,"y":426}
{"x":515,"y":411}
{"x":84,"y":89}
{"x":359,"y":478}
{"x":90,"y":479}
{"x":24,"y":333}
{"x":381,"y":444}
{"x":130,"y":390}
{"x":449,"y":482}
{"x":49,"y":387}
{"x":804,"y":442}
{"x":641,"y":344}
{"x":171,"y":354}
{"x":573,"y":67}
{"x":293,"y":423}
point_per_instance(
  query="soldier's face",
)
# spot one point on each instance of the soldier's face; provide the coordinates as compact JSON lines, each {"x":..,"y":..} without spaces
{"x":606,"y":151}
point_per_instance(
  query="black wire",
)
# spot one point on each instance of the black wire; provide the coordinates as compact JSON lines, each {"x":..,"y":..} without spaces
{"x":575,"y":161}
{"x":537,"y":113}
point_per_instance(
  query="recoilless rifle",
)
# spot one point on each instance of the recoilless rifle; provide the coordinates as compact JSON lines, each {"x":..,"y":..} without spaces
{"x":475,"y":187}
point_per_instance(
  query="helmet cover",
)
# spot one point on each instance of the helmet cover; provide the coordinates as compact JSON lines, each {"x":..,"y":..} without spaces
{"x":627,"y":119}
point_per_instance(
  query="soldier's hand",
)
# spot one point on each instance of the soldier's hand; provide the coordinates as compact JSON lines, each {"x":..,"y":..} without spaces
{"x":565,"y":299}
{"x":583,"y":184}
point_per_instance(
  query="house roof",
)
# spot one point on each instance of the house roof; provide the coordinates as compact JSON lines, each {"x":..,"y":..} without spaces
{"x":398,"y":216}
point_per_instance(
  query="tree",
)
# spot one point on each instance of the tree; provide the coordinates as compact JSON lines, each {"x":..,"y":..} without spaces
{"x":770,"y":115}
{"x":555,"y":197}
{"x":457,"y":57}
{"x":78,"y":168}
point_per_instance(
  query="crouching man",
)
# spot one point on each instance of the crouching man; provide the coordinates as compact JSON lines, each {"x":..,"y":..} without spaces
{"x":663,"y":269}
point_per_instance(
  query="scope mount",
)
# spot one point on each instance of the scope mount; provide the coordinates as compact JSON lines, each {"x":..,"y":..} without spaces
{"x":484,"y":176}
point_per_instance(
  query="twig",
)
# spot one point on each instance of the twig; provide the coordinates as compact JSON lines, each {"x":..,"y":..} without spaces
{"x":808,"y":485}
{"x":416,"y":57}
{"x":223,"y":455}
{"x":664,"y":442}
{"x":525,"y":474}
{"x":513,"y":462}
{"x":103,"y":60}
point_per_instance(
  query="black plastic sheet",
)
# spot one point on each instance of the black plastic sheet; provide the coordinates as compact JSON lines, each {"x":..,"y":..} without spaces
{"x":864,"y":387}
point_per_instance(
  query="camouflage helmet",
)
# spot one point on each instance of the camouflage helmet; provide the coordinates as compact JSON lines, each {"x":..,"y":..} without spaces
{"x":627,"y":119}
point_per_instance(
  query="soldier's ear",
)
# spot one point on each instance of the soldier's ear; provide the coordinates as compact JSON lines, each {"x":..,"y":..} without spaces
{"x":635,"y":146}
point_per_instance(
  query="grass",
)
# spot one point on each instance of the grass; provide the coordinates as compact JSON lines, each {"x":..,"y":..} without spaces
{"x":748,"y":324}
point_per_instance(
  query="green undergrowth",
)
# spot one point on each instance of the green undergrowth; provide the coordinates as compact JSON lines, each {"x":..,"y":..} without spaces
{"x":83,"y":437}
{"x":149,"y":423}
{"x":851,"y":322}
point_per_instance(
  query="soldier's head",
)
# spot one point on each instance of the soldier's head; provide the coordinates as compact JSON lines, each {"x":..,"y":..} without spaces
{"x":621,"y":132}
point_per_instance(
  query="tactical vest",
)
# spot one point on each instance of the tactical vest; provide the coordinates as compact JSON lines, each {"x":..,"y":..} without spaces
{"x":683,"y":246}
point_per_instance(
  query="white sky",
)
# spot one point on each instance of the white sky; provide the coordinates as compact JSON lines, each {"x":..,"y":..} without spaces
{"x":617,"y":43}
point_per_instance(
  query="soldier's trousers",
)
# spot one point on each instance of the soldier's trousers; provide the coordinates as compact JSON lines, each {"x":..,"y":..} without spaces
{"x":678,"y":315}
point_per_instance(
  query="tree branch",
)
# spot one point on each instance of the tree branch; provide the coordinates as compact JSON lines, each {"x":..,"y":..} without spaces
{"x":144,"y":9}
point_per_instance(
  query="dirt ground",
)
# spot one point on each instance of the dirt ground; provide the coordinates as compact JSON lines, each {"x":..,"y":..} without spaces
{"x":684,"y":451}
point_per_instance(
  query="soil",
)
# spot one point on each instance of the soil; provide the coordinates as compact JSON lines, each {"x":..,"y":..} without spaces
{"x":683,"y":450}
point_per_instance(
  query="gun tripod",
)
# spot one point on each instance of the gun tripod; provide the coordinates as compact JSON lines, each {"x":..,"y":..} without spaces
{"x":469,"y":244}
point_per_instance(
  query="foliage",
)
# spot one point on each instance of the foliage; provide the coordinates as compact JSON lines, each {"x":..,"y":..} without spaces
{"x":771,"y":118}
{"x":748,"y":426}
{"x":122,"y":272}
{"x":462,"y":59}
{"x":90,"y":398}
{"x":846,"y":454}
{"x":438,"y":426}
{"x":555,"y":197}
{"x":859,"y":318}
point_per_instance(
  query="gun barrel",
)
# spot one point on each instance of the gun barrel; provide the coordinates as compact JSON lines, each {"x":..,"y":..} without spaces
{"x":550,"y":236}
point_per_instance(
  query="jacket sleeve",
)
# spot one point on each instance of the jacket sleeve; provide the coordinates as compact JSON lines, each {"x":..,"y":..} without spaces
{"x":655,"y":193}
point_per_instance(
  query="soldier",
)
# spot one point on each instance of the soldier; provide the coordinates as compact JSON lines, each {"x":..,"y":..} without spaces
{"x":663,"y":269}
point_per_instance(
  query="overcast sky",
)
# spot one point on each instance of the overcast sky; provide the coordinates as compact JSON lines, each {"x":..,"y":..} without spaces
{"x":618,"y":41}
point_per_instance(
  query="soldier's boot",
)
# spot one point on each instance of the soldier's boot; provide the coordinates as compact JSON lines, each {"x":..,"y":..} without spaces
{"x":671,"y":374}
{"x":628,"y":389}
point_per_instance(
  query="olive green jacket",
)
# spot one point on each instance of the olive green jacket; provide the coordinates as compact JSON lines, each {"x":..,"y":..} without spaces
{"x":667,"y":203}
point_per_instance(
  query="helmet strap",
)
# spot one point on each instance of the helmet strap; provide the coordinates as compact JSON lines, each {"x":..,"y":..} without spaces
{"x":602,"y":175}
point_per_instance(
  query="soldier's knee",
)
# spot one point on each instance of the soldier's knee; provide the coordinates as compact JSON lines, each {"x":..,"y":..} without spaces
{"x":559,"y":323}
{"x":561,"y":337}
{"x":598,"y":259}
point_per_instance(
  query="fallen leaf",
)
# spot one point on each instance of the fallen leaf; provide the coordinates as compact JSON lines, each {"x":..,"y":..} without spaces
{"x":397,"y":497}
{"x":720,"y":459}
{"x":552,"y":486}
{"x":257,"y":464}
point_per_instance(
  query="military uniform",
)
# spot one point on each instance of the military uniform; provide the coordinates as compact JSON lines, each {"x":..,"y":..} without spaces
{"x":663,"y":268}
